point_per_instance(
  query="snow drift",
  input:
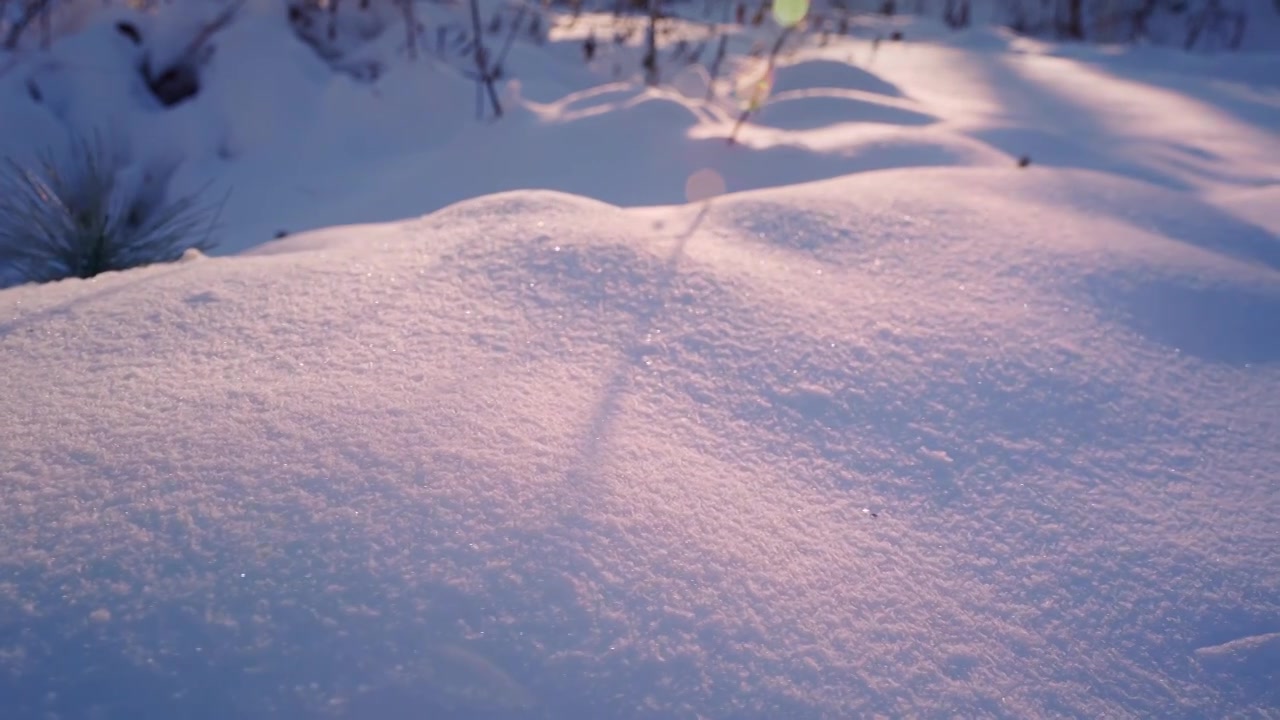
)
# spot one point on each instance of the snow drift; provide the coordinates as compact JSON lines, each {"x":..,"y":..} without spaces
{"x":905,"y":443}
{"x":958,"y":397}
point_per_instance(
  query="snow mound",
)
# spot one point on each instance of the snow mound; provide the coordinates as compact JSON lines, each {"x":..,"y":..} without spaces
{"x":832,"y":74}
{"x":806,"y":110}
{"x":854,"y":447}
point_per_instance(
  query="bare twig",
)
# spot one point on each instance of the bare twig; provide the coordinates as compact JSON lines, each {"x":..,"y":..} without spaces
{"x":33,"y":11}
{"x":46,"y":26}
{"x":721,"y":50}
{"x":333,"y":19}
{"x":194,"y":48}
{"x":484,"y":76}
{"x":761,"y":92}
{"x":410,"y":27}
{"x":179,"y":77}
{"x":651,"y":42}
{"x":511,"y":38}
{"x":715,"y":65}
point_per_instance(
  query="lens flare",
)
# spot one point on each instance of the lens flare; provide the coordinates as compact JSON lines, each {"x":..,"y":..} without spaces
{"x":703,"y":185}
{"x":789,"y":12}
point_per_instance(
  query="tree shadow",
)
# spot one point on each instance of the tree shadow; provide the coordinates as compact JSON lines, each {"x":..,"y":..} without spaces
{"x":1231,"y":324}
{"x":1253,"y":98}
{"x":1053,"y":129}
{"x":1056,"y":131}
{"x":599,"y":425}
{"x":1185,"y":220}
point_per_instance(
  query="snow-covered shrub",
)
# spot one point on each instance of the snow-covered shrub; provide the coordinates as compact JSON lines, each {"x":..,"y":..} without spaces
{"x":30,"y":24}
{"x":81,"y":213}
{"x":335,"y":28}
{"x":351,"y":35}
{"x":331,"y":28}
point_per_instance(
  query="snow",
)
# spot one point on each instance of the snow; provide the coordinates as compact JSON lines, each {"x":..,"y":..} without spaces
{"x":878,"y":425}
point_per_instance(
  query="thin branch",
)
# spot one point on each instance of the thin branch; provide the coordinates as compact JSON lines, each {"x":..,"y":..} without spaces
{"x":651,"y":40}
{"x":715,"y":65}
{"x":32,"y":11}
{"x":511,"y":38}
{"x":193,"y":49}
{"x":721,"y":50}
{"x":761,"y":92}
{"x":411,"y":27}
{"x":485,"y":74}
{"x":333,"y":19}
{"x":46,"y":27}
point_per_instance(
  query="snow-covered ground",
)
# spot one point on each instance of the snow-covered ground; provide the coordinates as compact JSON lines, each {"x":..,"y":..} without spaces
{"x":880,"y":424}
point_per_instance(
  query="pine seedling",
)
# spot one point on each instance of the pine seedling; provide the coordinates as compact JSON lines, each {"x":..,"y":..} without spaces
{"x":72,"y":217}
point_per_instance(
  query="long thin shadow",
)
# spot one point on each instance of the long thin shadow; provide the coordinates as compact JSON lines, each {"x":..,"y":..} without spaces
{"x":1253,"y":99}
{"x":600,"y":424}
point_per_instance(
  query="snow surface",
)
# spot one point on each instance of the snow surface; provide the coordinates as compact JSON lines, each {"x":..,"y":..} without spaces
{"x":893,"y":429}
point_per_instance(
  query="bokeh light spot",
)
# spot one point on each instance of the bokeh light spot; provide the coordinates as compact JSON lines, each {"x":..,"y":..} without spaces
{"x":789,"y":12}
{"x":703,"y":185}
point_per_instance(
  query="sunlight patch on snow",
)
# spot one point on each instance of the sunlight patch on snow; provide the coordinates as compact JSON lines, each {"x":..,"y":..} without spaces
{"x":1198,"y":139}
